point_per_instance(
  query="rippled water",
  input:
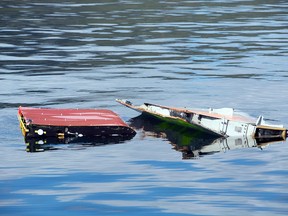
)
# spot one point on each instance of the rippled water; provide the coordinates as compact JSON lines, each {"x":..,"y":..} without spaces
{"x":181,"y":53}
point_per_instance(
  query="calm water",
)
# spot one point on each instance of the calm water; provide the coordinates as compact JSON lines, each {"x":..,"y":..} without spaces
{"x":182,"y":53}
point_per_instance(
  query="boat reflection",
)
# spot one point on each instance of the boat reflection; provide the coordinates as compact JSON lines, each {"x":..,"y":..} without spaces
{"x":194,"y":143}
{"x":75,"y":143}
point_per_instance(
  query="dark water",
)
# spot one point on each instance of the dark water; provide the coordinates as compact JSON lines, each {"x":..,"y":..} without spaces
{"x":182,"y":53}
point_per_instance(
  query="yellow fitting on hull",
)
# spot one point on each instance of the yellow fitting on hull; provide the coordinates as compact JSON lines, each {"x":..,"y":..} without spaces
{"x":23,"y":128}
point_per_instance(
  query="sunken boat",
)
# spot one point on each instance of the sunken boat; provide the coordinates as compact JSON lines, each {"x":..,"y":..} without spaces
{"x":223,"y":122}
{"x":62,"y":123}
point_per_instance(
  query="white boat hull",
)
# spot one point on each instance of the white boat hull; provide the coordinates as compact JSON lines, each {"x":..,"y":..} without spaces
{"x":222,"y":122}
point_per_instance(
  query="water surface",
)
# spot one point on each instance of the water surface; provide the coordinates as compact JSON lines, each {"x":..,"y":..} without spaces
{"x":85,"y":54}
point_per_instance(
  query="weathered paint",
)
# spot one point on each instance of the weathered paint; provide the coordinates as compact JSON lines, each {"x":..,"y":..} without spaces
{"x":70,"y":117}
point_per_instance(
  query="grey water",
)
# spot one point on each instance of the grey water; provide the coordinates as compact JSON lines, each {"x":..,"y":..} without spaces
{"x":85,"y":54}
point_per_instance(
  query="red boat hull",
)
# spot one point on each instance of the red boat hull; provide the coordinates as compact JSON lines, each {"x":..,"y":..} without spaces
{"x":46,"y":122}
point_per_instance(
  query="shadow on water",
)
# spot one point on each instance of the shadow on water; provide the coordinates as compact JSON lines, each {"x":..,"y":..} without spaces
{"x":193,"y":143}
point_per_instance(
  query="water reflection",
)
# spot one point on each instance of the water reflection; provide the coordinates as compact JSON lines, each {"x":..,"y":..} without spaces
{"x":72,"y":143}
{"x":193,"y":143}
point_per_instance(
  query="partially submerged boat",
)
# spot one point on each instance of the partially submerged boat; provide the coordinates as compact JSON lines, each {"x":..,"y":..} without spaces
{"x":61,"y":123}
{"x":223,"y":122}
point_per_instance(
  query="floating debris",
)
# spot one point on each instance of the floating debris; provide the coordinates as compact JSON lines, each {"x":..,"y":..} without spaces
{"x":62,"y":123}
{"x":217,"y":122}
